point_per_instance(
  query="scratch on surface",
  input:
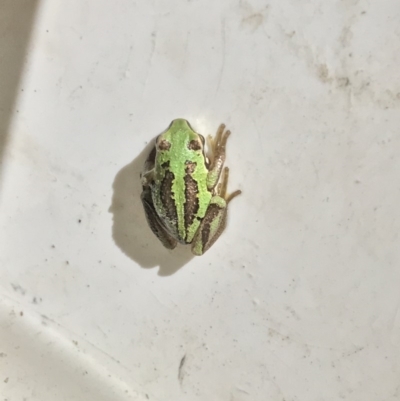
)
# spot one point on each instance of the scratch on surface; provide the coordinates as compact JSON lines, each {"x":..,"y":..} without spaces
{"x":128,"y":61}
{"x":181,"y":372}
{"x":316,"y":172}
{"x":395,"y":318}
{"x":156,"y":298}
{"x":150,"y":62}
{"x":185,"y":51}
{"x":223,"y":34}
{"x":241,"y":390}
{"x":101,"y":331}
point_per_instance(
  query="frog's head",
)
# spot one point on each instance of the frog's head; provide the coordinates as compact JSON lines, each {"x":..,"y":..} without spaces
{"x":180,"y":133}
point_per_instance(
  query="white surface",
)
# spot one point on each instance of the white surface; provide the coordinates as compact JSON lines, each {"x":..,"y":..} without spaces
{"x":299,"y":299}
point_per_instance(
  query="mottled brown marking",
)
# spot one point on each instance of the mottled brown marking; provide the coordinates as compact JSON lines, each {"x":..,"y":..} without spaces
{"x":194,"y":144}
{"x":164,"y":145}
{"x":154,"y":221}
{"x":165,"y":165}
{"x":191,"y":206}
{"x":166,"y":196}
{"x":190,"y":167}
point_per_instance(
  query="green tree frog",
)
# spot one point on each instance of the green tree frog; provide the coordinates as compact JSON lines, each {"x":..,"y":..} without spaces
{"x":183,"y":197}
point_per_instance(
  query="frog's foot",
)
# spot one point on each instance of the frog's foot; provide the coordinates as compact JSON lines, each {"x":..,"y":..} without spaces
{"x":147,"y":178}
{"x":147,"y":174}
{"x":217,"y":147}
{"x":214,"y":222}
{"x":219,"y":142}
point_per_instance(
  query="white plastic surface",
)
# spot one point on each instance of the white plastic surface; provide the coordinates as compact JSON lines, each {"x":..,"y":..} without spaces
{"x":299,"y":299}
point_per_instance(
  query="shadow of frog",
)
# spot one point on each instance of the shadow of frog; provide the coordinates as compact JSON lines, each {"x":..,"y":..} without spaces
{"x":131,"y":232}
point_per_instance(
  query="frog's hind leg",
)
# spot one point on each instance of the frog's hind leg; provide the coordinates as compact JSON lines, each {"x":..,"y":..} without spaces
{"x":214,"y":222}
{"x":154,"y":220}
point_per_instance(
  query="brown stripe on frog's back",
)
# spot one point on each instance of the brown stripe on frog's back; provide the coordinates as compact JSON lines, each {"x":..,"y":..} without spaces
{"x":191,"y":206}
{"x":209,"y":219}
{"x":166,"y":195}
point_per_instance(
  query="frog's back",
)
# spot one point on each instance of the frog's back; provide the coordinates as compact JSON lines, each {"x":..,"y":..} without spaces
{"x":179,"y":191}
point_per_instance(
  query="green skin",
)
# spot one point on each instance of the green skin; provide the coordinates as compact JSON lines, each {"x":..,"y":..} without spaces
{"x":180,"y":195}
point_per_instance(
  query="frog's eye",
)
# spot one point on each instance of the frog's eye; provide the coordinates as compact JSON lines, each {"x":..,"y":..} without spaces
{"x":164,"y":145}
{"x":194,"y":144}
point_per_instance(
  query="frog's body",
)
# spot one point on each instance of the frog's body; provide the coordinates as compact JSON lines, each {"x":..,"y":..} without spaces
{"x":180,"y":195}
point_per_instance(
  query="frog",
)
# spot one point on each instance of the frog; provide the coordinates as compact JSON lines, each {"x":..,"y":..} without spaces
{"x":184,"y":190}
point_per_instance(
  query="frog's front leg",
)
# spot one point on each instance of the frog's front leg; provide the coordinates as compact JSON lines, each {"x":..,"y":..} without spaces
{"x":154,"y":220}
{"x":218,"y":146}
{"x":147,"y":174}
{"x":214,"y":221}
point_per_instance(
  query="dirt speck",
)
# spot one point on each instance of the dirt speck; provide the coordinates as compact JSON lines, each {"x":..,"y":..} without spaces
{"x":323,"y":72}
{"x":343,"y":82}
{"x":254,"y":21}
{"x":18,"y":288}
